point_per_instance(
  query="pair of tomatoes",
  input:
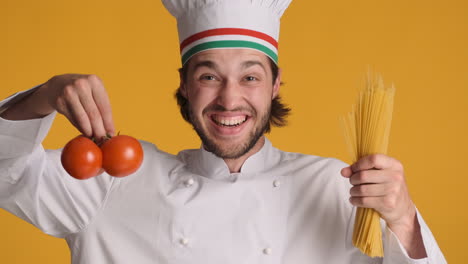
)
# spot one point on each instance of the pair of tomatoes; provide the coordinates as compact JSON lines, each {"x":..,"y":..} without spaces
{"x":119,"y":156}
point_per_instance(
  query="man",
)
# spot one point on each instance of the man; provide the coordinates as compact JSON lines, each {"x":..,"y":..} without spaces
{"x":235,"y":200}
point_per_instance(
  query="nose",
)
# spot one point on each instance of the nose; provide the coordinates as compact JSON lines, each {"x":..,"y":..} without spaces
{"x":229,"y":95}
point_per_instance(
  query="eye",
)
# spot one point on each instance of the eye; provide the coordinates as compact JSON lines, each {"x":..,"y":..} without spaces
{"x":208,"y":77}
{"x":251,"y":78}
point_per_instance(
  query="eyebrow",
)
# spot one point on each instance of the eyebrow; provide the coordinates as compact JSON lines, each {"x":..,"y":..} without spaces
{"x":250,"y":63}
{"x":213,"y":65}
{"x":206,"y":63}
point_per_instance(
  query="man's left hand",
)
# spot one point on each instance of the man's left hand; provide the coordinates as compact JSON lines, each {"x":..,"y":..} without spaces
{"x":379,"y":183}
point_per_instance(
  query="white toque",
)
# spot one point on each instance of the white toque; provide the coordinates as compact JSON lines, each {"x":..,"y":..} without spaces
{"x":214,"y":24}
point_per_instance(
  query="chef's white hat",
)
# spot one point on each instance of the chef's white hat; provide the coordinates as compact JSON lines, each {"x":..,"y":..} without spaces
{"x":212,"y":24}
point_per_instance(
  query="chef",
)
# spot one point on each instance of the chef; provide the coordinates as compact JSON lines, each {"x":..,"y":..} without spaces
{"x":236,"y":199}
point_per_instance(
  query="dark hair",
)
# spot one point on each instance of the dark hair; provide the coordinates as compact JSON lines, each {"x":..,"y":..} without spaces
{"x":278,"y":113}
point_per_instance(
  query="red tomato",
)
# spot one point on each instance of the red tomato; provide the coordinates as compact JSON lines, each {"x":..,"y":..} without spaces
{"x":122,"y":155}
{"x":82,"y":158}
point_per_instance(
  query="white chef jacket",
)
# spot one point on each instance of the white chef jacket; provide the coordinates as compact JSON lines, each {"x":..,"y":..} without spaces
{"x":188,"y":208}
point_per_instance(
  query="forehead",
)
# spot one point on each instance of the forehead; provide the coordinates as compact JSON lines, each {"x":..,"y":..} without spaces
{"x":230,"y":57}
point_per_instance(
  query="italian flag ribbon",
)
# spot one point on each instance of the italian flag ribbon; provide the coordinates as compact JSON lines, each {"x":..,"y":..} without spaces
{"x":229,"y":38}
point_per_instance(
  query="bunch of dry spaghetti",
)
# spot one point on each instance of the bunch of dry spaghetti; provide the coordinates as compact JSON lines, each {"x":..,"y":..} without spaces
{"x":367,"y":130}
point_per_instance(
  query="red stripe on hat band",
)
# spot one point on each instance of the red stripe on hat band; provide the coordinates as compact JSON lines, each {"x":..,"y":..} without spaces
{"x":228,"y":31}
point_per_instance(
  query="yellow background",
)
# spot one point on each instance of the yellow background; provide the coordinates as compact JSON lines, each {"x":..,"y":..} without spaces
{"x":325,"y":50}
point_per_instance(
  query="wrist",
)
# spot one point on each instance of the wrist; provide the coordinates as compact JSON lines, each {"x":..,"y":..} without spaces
{"x":406,"y":223}
{"x":33,"y":105}
{"x":39,"y":101}
{"x":408,"y":232}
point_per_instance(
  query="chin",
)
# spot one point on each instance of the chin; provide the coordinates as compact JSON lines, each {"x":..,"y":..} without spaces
{"x":225,"y":144}
{"x":230,"y":148}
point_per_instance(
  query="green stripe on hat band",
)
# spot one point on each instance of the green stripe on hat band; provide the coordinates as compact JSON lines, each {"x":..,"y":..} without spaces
{"x":229,"y":44}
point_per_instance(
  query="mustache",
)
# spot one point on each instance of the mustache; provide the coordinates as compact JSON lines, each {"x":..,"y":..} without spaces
{"x":220,"y":108}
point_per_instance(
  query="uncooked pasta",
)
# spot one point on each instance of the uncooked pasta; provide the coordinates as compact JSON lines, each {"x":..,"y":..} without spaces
{"x":367,"y":130}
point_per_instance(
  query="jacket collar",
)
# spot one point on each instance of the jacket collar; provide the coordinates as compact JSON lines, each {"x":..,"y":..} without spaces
{"x":207,"y":164}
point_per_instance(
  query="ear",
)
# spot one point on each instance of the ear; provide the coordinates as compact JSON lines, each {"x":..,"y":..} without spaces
{"x":182,"y":86}
{"x":276,"y":86}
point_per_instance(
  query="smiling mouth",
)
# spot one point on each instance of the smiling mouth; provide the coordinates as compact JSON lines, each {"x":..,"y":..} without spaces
{"x":229,"y":121}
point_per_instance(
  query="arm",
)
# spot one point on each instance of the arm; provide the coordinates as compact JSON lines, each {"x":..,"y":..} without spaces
{"x":33,"y":184}
{"x":29,"y":105}
{"x":395,"y":252}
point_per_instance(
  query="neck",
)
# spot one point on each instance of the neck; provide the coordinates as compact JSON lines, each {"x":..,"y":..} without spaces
{"x":235,"y":165}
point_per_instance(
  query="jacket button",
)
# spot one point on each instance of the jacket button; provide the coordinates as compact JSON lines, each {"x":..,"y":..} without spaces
{"x":267,"y":251}
{"x":184,"y":241}
{"x":276,"y":183}
{"x":189,"y":182}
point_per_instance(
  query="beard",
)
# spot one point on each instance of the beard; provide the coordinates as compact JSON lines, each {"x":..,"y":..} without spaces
{"x":238,"y":150}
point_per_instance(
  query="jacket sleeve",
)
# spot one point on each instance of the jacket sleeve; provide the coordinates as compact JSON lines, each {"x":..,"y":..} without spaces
{"x":394,"y":251}
{"x":33,"y":184}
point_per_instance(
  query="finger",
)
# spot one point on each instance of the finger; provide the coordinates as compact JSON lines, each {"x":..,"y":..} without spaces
{"x":78,"y":117}
{"x":103,"y":104}
{"x":374,"y":161}
{"x":369,"y":176}
{"x":347,"y":172}
{"x":370,"y":190}
{"x":86,"y":99}
{"x":66,"y":112}
{"x":385,"y":205}
{"x":366,"y":202}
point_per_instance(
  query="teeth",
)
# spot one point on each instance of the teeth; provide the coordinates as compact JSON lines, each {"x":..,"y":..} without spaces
{"x":230,"y":122}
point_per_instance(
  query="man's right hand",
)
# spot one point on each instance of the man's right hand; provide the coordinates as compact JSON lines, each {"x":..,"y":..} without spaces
{"x":81,"y":98}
